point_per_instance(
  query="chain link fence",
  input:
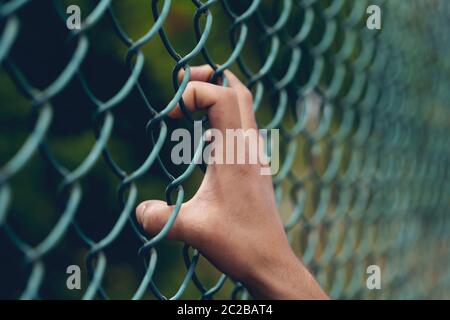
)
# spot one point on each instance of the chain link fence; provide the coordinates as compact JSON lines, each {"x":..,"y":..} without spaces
{"x":363,"y":117}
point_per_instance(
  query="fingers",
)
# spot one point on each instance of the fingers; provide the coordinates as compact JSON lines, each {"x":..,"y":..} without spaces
{"x":245,"y":99}
{"x":221,"y":103}
{"x":200,"y":73}
{"x":153,"y":215}
{"x":244,"y":96}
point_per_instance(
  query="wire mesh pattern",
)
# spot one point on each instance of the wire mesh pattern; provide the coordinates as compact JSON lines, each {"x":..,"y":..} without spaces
{"x":364,"y":123}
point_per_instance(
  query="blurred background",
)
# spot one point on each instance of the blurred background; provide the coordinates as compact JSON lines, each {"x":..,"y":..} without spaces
{"x":43,"y":47}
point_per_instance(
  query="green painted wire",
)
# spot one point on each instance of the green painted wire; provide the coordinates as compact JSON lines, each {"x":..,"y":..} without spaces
{"x":374,"y":171}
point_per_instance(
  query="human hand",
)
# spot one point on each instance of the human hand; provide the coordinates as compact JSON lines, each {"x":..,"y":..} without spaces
{"x":233,"y":219}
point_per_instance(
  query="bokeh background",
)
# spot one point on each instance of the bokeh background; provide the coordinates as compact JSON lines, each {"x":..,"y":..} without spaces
{"x":42,"y":49}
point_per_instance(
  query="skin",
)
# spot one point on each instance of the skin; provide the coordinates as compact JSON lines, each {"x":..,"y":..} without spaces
{"x":233,"y":219}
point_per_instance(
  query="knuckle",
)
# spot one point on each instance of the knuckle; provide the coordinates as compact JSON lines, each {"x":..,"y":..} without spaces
{"x":189,"y":86}
{"x":139,"y":212}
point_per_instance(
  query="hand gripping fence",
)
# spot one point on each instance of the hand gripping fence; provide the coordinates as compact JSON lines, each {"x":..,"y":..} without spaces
{"x":364,"y":125}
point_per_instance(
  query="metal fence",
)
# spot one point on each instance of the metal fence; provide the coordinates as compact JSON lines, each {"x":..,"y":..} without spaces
{"x":364,"y":122}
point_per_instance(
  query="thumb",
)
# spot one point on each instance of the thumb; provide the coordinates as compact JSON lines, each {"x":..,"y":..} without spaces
{"x":153,"y":215}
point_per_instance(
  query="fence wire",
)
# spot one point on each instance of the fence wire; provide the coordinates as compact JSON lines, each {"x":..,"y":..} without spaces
{"x":364,"y":123}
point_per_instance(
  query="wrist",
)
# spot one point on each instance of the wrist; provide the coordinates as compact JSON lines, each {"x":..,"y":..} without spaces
{"x":284,"y":278}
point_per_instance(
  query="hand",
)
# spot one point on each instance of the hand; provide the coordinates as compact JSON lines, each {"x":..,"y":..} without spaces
{"x":232,"y":219}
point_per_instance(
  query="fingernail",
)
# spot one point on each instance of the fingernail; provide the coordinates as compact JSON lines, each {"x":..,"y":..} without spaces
{"x":141,"y":211}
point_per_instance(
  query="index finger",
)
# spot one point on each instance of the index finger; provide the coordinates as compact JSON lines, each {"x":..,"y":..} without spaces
{"x":244,"y":96}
